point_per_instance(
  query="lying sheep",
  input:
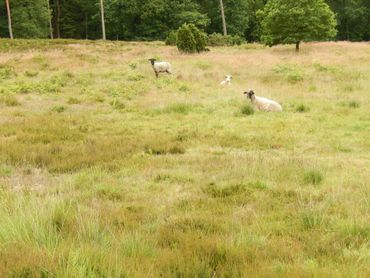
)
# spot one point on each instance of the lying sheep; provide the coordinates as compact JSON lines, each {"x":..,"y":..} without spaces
{"x":262,"y":103}
{"x":227,"y":80}
{"x":159,"y":67}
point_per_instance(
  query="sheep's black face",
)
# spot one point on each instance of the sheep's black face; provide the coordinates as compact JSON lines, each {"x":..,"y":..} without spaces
{"x":249,"y":93}
{"x":152,"y":60}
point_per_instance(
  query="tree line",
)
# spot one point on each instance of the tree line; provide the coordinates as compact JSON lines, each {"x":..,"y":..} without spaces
{"x":155,"y":19}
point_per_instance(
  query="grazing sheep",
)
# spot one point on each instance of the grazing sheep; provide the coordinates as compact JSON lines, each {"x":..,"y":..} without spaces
{"x":227,"y":80}
{"x":262,"y":103}
{"x":159,"y":67}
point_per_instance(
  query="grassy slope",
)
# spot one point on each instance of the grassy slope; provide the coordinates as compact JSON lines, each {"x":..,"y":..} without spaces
{"x":106,"y":171}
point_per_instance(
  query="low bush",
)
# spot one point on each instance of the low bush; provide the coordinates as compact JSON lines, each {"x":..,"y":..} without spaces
{"x":217,"y":39}
{"x":171,"y":38}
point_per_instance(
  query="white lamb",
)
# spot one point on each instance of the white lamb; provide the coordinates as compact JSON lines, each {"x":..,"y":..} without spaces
{"x":159,"y":67}
{"x":227,"y":80}
{"x":262,"y":103}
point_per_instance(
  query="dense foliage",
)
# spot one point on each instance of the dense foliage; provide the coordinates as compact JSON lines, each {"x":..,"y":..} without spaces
{"x":154,"y":19}
{"x":292,"y":21}
{"x":30,"y":19}
{"x":185,"y":40}
{"x":217,"y":39}
{"x":190,"y":39}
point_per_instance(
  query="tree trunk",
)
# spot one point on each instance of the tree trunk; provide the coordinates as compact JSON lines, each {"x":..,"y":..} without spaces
{"x":223,"y":17}
{"x":9,"y":19}
{"x":345,"y":20}
{"x":50,"y":25}
{"x":102,"y":18}
{"x":57,"y":21}
{"x":297,"y":46}
{"x":86,"y":33}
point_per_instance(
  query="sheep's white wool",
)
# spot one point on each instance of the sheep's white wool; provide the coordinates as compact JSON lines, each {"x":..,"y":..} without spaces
{"x":267,"y":105}
{"x":264,"y":104}
{"x":227,"y":80}
{"x":162,"y":67}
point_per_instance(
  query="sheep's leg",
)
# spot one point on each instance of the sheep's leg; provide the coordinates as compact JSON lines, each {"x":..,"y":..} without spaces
{"x":156,"y":74}
{"x":168,"y":71}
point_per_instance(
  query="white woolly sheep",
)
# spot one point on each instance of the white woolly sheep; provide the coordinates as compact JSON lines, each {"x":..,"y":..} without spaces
{"x":159,"y":67}
{"x":263,"y":104}
{"x":227,"y":80}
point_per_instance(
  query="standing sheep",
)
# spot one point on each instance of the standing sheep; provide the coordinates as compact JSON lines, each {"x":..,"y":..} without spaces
{"x":263,"y":104}
{"x":159,"y":67}
{"x":227,"y":80}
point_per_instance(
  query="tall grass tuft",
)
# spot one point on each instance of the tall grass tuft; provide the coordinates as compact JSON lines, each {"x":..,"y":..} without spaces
{"x":9,"y":100}
{"x":354,"y":104}
{"x":247,"y":110}
{"x":313,"y":177}
{"x":302,"y":108}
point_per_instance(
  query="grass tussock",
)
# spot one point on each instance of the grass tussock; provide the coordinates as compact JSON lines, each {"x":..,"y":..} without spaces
{"x":224,"y":191}
{"x":58,"y":108}
{"x":247,"y":110}
{"x":73,"y":100}
{"x":354,"y":104}
{"x":9,"y":100}
{"x":314,"y":177}
{"x":106,"y":171}
{"x":302,"y":108}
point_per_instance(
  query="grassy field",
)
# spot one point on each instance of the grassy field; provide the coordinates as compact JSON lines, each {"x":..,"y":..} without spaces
{"x":106,"y":171}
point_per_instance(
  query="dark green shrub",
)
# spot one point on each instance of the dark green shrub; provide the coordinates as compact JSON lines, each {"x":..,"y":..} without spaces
{"x":171,"y":38}
{"x":237,"y":40}
{"x":190,"y":39}
{"x":200,"y":38}
{"x":185,"y":40}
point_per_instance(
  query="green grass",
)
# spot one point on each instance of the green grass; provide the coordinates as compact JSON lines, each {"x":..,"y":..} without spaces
{"x":247,"y":110}
{"x":313,"y":177}
{"x":301,"y":108}
{"x":106,"y":171}
{"x":9,"y":100}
